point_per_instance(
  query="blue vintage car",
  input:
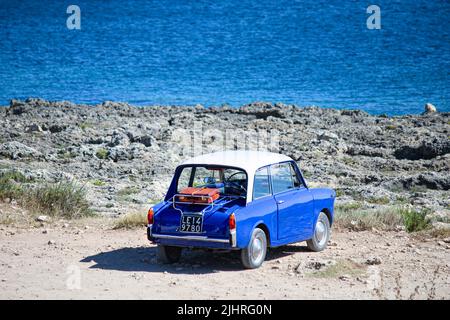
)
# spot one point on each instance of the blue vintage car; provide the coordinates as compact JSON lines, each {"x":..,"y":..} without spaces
{"x":240,"y":200}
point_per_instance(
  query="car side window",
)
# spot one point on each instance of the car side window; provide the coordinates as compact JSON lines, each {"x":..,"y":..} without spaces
{"x":282,"y":178}
{"x":261,"y":184}
{"x":183,"y":179}
{"x":295,"y":179}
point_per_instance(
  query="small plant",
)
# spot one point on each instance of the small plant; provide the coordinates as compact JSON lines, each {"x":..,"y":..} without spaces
{"x":67,"y":155}
{"x":306,"y":174}
{"x":85,"y":125}
{"x":101,"y":153}
{"x":414,"y":220}
{"x":13,"y":175}
{"x":125,"y":193}
{"x":359,"y":219}
{"x":64,"y":199}
{"x":418,"y":189}
{"x":402,"y":200}
{"x":339,"y":192}
{"x":6,"y":220}
{"x":98,"y":183}
{"x":9,"y":190}
{"x":349,"y":206}
{"x":131,"y":220}
{"x":340,"y":268}
{"x":439,"y":233}
{"x":379,"y":200}
{"x":10,"y":184}
{"x":391,"y":127}
{"x":349,"y":161}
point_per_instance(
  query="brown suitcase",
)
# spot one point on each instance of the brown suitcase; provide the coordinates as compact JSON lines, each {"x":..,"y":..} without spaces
{"x":199,"y":195}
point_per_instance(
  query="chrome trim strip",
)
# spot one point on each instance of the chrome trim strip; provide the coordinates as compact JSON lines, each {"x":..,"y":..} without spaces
{"x":195,"y":238}
{"x":233,"y":238}
{"x":149,"y":227}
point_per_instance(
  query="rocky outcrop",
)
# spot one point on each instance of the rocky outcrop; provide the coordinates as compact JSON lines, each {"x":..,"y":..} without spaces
{"x":113,"y":146}
{"x":15,"y":150}
{"x":429,"y":108}
{"x":426,"y":150}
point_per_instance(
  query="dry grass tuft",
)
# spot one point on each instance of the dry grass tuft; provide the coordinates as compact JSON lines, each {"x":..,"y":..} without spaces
{"x":131,"y":221}
{"x":340,"y":268}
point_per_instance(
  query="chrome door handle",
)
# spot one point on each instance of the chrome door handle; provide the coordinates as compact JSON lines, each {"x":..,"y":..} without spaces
{"x":280,"y":201}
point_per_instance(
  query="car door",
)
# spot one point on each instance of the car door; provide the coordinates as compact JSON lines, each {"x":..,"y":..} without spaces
{"x":294,"y":201}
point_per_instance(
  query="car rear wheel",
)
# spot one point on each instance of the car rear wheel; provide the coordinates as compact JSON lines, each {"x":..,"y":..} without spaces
{"x":168,"y":254}
{"x":254,"y":255}
{"x":322,"y":232}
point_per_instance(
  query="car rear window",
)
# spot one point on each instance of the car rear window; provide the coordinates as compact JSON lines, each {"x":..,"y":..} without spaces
{"x":230,"y":181}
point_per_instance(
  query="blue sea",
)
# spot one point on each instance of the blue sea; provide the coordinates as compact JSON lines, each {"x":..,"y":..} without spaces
{"x":175,"y":52}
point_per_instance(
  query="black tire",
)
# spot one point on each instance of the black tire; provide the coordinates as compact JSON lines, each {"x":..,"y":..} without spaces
{"x":322,"y":233}
{"x":168,"y":254}
{"x":254,"y":255}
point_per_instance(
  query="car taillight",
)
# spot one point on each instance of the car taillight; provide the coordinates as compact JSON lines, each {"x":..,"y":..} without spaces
{"x":150,"y":216}
{"x":232,"y":222}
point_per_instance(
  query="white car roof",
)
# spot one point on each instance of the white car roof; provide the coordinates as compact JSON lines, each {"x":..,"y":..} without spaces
{"x":250,"y":161}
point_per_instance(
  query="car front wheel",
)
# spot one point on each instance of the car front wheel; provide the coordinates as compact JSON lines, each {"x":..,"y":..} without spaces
{"x":168,"y":254}
{"x":254,"y":255}
{"x":322,"y":232}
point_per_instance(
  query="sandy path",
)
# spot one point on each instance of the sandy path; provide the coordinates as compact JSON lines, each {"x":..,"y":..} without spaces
{"x":101,"y":263}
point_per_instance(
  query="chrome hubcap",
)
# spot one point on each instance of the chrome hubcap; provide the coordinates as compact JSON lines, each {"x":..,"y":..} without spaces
{"x":257,"y":249}
{"x":320,"y":233}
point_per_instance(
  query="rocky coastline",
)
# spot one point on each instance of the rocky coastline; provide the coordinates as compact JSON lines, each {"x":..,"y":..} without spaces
{"x":125,"y":155}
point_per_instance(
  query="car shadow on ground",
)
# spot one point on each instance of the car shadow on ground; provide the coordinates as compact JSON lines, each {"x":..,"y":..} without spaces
{"x":143,"y":259}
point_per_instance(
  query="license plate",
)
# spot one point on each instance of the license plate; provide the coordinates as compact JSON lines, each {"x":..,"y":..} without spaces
{"x":191,"y":223}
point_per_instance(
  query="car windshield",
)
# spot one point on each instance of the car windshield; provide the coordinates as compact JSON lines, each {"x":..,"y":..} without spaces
{"x":229,"y":181}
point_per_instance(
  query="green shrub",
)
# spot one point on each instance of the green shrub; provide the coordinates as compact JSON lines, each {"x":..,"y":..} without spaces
{"x":101,"y":153}
{"x":402,"y":200}
{"x":359,"y":219}
{"x":63,"y":199}
{"x":127,"y":191}
{"x":414,"y":220}
{"x":10,"y":187}
{"x":384,"y":219}
{"x":67,"y":155}
{"x":391,"y":127}
{"x":13,"y":175}
{"x":10,"y":190}
{"x":339,"y":192}
{"x":349,"y":161}
{"x":378,"y":200}
{"x":84,"y":125}
{"x":349,"y":206}
{"x":98,"y":183}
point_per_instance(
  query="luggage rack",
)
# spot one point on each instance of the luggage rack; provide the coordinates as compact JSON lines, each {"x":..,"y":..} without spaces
{"x":208,"y":205}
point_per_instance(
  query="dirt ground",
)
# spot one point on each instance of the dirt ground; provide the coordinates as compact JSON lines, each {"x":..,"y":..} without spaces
{"x":92,"y":261}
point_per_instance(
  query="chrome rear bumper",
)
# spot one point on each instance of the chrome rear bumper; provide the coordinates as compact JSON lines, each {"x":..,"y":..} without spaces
{"x":193,"y":238}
